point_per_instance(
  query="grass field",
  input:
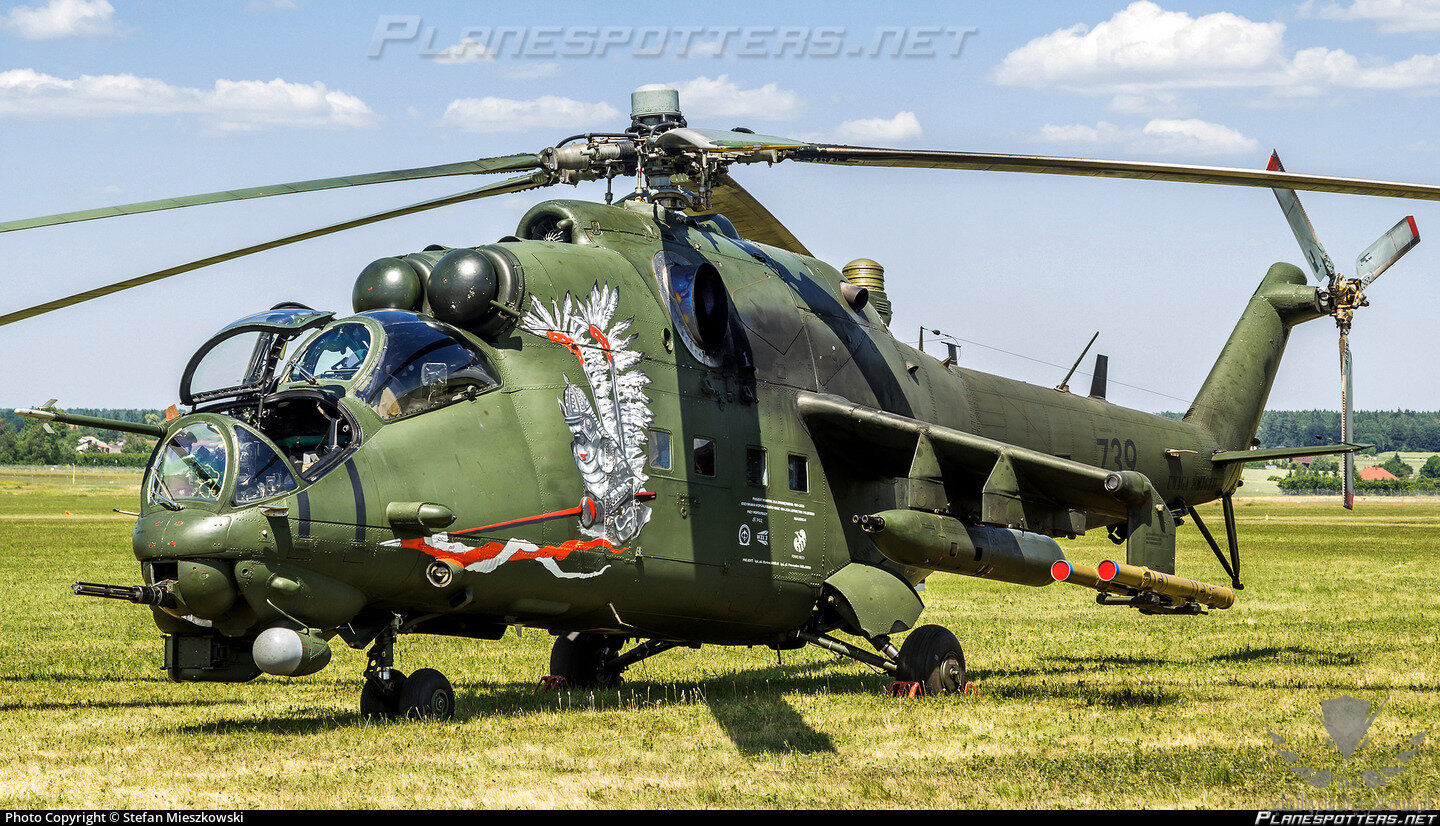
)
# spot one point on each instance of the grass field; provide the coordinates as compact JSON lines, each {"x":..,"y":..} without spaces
{"x":1078,"y":706}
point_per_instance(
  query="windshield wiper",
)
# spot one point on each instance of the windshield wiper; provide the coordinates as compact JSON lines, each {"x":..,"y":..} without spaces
{"x":159,"y":491}
{"x":305,"y":374}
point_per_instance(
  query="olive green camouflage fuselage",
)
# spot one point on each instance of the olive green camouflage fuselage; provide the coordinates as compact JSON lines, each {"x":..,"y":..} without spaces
{"x":736,"y":544}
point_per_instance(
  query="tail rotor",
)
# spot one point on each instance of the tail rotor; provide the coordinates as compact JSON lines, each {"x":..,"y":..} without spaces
{"x":1344,"y":295}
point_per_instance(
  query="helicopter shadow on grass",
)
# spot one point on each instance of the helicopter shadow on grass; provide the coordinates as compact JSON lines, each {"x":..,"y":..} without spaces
{"x":750,"y":707}
{"x":1151,"y":693}
{"x":77,"y":678}
{"x":1309,"y":656}
{"x":1091,"y":664}
{"x":308,"y":723}
{"x":83,"y":705}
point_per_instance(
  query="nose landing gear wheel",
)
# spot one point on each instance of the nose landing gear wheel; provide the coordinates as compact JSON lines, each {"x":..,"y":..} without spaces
{"x":427,"y":695}
{"x":932,"y":657}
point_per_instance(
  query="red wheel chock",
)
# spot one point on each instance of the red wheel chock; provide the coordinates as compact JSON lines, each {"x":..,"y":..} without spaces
{"x":552,"y":682}
{"x":903,"y":688}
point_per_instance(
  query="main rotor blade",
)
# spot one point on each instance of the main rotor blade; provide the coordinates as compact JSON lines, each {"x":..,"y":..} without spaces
{"x":521,"y":183}
{"x":1140,"y":170}
{"x":1346,"y":390}
{"x":750,"y":217}
{"x":723,"y":141}
{"x":1386,"y":250}
{"x":483,"y":166}
{"x":1315,"y":254}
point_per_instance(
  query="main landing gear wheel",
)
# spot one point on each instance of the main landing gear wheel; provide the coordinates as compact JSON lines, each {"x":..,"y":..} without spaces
{"x":426,"y":695}
{"x":585,"y":660}
{"x":932,"y":657}
{"x":380,"y":700}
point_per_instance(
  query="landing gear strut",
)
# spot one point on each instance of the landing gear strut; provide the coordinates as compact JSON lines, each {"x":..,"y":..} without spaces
{"x":588,"y":660}
{"x":389,"y":694}
{"x":930,"y":657}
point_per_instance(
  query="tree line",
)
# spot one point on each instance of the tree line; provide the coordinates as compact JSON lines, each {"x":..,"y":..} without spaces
{"x":1387,"y":430}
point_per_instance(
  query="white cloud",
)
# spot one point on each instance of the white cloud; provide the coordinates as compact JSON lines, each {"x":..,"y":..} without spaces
{"x":468,"y":50}
{"x":1144,"y":46}
{"x":255,"y":104}
{"x":1143,"y":54}
{"x":1160,"y":136}
{"x":1194,"y":137}
{"x":1152,"y":103}
{"x":721,"y":97}
{"x":62,"y":18}
{"x":1387,"y":16}
{"x":528,"y":71}
{"x":903,"y":127}
{"x":230,"y":105}
{"x":1101,"y":132}
{"x":492,"y":114}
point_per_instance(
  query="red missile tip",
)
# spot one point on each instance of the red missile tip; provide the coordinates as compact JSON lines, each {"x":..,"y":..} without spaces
{"x":1414,"y":230}
{"x":1060,"y":571}
{"x":1107,"y":570}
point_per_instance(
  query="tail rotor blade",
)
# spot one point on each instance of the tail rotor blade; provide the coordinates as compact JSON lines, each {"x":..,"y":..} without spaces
{"x":1346,"y":390}
{"x":1315,"y":254}
{"x":1386,"y":250}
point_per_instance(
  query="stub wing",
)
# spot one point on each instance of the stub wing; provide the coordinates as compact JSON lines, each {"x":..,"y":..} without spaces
{"x":991,"y":482}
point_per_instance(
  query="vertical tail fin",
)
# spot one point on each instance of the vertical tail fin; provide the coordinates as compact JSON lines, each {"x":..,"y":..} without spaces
{"x":1233,"y":397}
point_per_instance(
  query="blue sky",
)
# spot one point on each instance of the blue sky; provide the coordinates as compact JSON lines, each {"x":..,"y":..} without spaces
{"x":113,"y":102}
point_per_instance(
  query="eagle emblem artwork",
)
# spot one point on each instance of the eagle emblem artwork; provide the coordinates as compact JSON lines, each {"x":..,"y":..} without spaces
{"x":608,"y":440}
{"x":609,"y":432}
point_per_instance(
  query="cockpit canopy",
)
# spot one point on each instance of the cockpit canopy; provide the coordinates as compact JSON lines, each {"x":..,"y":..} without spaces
{"x":423,"y":364}
{"x":264,"y":426}
{"x":239,"y":361}
{"x":397,"y":362}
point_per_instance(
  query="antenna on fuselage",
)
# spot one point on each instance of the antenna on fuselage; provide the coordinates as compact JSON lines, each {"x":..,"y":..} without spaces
{"x":1064,"y":385}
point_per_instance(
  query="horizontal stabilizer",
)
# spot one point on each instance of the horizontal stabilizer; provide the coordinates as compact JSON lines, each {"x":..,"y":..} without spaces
{"x":1225,"y":457}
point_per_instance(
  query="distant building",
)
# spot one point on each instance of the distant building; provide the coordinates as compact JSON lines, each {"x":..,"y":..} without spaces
{"x":1375,"y":473}
{"x":90,"y":444}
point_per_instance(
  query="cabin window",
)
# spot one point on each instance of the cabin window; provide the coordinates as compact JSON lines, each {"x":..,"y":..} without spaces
{"x":755,"y":465}
{"x":336,"y":353}
{"x":704,"y":459}
{"x":799,"y":473}
{"x":660,"y":449}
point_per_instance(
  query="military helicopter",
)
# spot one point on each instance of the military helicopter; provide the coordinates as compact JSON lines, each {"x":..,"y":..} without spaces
{"x":660,"y":422}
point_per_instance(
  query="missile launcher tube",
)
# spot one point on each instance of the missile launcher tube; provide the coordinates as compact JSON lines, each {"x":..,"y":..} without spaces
{"x":1144,"y":579}
{"x":942,"y":543}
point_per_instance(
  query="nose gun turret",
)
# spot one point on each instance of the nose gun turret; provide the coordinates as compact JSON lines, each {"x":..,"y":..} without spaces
{"x":158,"y":595}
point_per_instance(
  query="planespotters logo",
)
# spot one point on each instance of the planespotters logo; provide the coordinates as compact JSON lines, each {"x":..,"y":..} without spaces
{"x":1347,"y":721}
